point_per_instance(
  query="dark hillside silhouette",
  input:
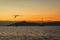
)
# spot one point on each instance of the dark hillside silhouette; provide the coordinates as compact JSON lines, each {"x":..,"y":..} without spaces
{"x":24,"y":23}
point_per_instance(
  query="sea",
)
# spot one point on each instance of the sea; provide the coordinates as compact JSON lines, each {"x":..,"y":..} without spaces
{"x":29,"y":32}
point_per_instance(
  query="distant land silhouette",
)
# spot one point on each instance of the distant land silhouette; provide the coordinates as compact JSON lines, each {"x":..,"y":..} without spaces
{"x":24,"y":23}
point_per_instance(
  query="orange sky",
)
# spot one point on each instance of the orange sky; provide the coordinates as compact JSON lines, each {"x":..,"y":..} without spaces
{"x":30,"y":18}
{"x":31,"y":10}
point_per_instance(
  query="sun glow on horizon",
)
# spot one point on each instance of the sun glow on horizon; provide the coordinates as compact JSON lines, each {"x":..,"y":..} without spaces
{"x":30,"y":18}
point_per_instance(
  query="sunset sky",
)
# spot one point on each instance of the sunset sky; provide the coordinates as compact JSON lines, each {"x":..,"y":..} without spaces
{"x":31,"y":10}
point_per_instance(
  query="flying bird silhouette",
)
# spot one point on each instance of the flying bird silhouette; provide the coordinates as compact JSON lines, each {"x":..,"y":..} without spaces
{"x":15,"y":16}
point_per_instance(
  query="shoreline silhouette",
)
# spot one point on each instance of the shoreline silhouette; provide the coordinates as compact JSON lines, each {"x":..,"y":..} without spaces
{"x":24,"y":23}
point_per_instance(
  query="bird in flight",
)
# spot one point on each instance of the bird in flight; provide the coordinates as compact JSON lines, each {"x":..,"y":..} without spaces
{"x":15,"y":16}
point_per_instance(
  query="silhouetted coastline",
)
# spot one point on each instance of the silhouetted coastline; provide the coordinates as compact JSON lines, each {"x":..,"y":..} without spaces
{"x":24,"y":23}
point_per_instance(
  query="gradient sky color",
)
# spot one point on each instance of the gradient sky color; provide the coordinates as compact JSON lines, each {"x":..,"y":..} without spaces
{"x":31,"y":10}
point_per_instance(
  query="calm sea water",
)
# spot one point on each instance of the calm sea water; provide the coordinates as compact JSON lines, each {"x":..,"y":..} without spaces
{"x":36,"y":32}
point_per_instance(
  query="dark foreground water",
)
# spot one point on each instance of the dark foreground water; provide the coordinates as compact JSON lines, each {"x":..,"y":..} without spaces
{"x":30,"y":33}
